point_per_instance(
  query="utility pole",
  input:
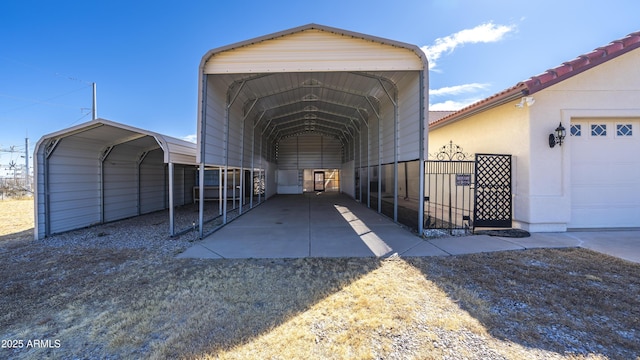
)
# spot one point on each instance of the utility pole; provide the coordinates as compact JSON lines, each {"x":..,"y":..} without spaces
{"x":95,"y":105}
{"x":26,"y":164}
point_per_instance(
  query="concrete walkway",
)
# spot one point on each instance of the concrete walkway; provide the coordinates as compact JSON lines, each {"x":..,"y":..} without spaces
{"x":621,"y":244}
{"x":334,"y":225}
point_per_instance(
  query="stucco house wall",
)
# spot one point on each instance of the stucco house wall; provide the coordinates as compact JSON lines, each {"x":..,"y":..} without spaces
{"x":501,"y":130}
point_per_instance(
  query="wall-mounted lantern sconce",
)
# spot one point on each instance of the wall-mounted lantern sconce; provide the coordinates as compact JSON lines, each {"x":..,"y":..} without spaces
{"x":558,"y":136}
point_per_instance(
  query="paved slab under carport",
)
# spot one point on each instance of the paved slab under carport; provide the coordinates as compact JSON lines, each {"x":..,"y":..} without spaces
{"x":310,"y":225}
{"x":334,"y":225}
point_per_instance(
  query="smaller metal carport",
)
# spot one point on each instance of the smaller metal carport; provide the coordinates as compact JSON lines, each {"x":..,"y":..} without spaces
{"x":101,"y":171}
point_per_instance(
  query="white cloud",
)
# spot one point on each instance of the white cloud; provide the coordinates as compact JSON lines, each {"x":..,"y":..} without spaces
{"x":485,"y":33}
{"x":190,"y":138}
{"x":458,"y":89}
{"x":452,"y":105}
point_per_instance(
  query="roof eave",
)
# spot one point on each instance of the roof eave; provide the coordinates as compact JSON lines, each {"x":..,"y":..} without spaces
{"x":501,"y":98}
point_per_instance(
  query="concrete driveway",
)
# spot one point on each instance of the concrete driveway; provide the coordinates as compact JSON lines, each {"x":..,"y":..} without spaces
{"x":334,"y":225}
{"x":309,"y":225}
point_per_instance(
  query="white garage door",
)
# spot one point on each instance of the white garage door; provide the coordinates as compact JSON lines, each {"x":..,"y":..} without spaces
{"x":605,"y":173}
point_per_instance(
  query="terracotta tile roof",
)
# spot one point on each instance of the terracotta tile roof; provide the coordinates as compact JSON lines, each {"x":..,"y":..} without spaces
{"x":583,"y":62}
{"x":549,"y":77}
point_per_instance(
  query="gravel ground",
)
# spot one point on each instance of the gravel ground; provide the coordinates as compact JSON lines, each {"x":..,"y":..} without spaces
{"x":149,"y":232}
{"x":145,"y":233}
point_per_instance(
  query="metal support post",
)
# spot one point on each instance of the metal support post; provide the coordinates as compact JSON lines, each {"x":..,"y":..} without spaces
{"x":421,"y":129}
{"x":171,"y":198}
{"x":201,"y":200}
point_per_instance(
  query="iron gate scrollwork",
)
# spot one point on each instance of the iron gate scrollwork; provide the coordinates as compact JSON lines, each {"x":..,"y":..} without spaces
{"x":448,"y":189}
{"x":465,"y":192}
{"x":493,"y":191}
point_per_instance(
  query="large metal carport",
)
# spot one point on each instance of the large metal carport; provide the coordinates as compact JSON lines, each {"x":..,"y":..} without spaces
{"x":276,"y":108}
{"x":101,"y":171}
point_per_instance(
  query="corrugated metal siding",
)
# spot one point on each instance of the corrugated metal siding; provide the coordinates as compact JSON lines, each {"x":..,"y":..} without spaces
{"x":409,"y":116}
{"x":181,"y":153}
{"x":374,"y":146}
{"x":240,"y":140}
{"x":387,"y":114}
{"x":248,"y":143}
{"x":153,"y":188}
{"x":347,"y":179}
{"x":289,"y":181}
{"x":120,"y":184}
{"x":288,"y":154}
{"x":214,"y":123}
{"x":271,"y":179}
{"x":360,"y":155}
{"x":313,"y":50}
{"x":184,"y":181}
{"x":74,"y":185}
{"x":190,"y":174}
{"x":235,"y":136}
{"x":309,"y":152}
{"x":178,"y":185}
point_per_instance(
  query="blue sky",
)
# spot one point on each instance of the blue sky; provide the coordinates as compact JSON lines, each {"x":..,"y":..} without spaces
{"x":144,"y":55}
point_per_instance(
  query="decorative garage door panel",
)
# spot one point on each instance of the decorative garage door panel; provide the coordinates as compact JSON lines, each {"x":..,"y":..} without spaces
{"x":605,"y":173}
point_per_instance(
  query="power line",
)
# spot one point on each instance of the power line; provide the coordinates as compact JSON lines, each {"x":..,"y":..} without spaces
{"x":82,"y":117}
{"x":56,"y":74}
{"x":40,"y":102}
{"x":12,"y":149}
{"x":69,"y":77}
{"x":35,"y":102}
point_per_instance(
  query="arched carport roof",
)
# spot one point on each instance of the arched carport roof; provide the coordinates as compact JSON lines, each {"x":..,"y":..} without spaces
{"x":310,"y":79}
{"x":106,"y":133}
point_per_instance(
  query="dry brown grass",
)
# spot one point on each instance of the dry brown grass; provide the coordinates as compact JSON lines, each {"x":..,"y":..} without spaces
{"x":16,"y":218}
{"x":383,"y":314}
{"x":569,"y":299}
{"x":124,"y":303}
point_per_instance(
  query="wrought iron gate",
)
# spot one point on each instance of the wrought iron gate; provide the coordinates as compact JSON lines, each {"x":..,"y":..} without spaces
{"x":464,"y":193}
{"x":448,"y":194}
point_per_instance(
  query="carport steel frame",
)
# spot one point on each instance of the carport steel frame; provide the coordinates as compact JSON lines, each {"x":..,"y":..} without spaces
{"x":232,"y":94}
